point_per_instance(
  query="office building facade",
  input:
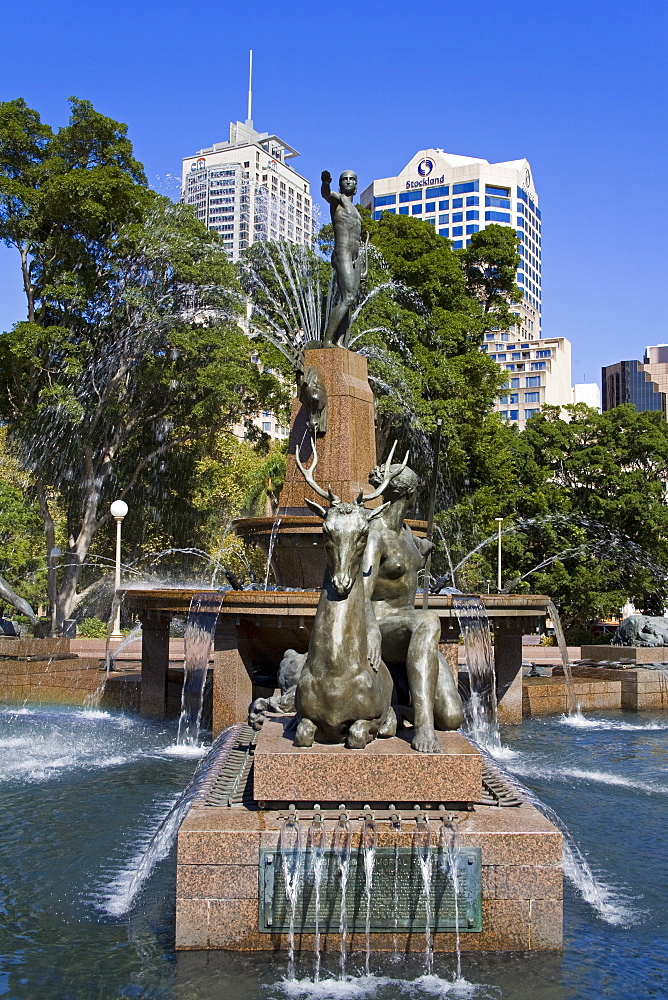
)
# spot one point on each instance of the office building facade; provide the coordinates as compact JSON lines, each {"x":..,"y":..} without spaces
{"x":642,"y":383}
{"x":246,"y":190}
{"x":539,"y":372}
{"x":459,"y":196}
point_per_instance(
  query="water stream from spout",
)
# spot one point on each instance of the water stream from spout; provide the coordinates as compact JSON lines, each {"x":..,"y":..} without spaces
{"x":342,"y":847}
{"x":448,"y":850}
{"x":198,"y":639}
{"x":482,"y":712}
{"x":369,"y":842}
{"x":317,"y":843}
{"x":422,"y":846}
{"x":290,"y":849}
{"x":572,"y":704}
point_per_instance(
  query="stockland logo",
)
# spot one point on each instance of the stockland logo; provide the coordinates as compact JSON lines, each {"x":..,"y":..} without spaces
{"x":198,"y":164}
{"x":425,"y":167}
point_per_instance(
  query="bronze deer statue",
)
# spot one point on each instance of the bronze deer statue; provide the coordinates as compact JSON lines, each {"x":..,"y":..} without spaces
{"x":340,"y":697}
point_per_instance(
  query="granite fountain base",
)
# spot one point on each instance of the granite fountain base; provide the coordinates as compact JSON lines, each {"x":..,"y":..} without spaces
{"x":229,"y":890}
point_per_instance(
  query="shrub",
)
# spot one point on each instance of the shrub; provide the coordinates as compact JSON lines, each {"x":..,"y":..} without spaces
{"x":92,"y":628}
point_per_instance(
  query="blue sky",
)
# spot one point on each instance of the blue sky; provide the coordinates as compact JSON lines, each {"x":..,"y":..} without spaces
{"x":578,"y":88}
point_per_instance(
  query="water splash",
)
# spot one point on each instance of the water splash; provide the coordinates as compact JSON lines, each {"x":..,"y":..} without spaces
{"x":342,"y":846}
{"x":198,"y":639}
{"x":482,"y":712}
{"x":369,"y":842}
{"x":422,"y":847}
{"x":572,"y":704}
{"x":609,"y":904}
{"x":126,"y":887}
{"x":290,"y":850}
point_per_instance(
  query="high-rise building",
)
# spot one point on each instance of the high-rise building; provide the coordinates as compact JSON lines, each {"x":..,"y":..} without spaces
{"x":459,"y":196}
{"x":645,"y":384}
{"x":246,"y":190}
{"x":539,"y":373}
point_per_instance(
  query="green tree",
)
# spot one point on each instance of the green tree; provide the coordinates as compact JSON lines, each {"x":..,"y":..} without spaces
{"x":131,"y":349}
{"x":584,"y":507}
{"x":421,"y":331}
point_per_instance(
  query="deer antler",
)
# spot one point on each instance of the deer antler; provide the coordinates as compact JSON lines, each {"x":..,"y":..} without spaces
{"x":308,"y":476}
{"x":388,"y":476}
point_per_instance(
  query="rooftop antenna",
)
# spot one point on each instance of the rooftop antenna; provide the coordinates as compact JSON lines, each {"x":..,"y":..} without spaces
{"x":249,"y":119}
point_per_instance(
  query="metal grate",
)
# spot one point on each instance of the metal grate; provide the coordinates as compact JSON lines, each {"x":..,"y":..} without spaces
{"x":496,"y":791}
{"x":233,"y":785}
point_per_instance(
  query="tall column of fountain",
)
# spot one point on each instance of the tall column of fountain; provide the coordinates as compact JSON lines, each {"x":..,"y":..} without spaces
{"x":346,"y":455}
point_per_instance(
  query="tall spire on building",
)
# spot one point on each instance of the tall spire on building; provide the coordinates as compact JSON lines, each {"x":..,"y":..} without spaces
{"x":249,"y":119}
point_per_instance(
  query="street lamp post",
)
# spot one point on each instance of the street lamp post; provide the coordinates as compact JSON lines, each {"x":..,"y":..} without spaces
{"x":499,"y":521}
{"x":118,"y":509}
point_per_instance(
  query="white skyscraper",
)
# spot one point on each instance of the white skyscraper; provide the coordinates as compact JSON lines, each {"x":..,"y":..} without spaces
{"x":246,"y":190}
{"x":460,"y":195}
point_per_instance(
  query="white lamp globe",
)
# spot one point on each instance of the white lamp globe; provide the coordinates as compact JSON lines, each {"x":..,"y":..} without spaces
{"x":119,"y":509}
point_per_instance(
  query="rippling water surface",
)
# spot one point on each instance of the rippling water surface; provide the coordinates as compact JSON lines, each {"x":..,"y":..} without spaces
{"x":81,"y":794}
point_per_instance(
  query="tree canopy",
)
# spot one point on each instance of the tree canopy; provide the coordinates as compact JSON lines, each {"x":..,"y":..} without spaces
{"x":131,"y":348}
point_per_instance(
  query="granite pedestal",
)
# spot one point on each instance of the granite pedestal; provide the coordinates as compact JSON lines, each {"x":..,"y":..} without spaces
{"x":220,"y":851}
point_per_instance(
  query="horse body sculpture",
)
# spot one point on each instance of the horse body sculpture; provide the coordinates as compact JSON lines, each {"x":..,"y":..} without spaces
{"x":340,"y":696}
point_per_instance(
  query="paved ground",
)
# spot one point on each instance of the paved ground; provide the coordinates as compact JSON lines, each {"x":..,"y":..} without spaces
{"x":130,"y":656}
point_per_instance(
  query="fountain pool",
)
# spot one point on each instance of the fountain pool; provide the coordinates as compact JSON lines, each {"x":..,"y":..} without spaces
{"x":82,"y":793}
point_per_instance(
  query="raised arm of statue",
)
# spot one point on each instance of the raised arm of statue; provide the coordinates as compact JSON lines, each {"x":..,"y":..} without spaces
{"x":326,"y":188}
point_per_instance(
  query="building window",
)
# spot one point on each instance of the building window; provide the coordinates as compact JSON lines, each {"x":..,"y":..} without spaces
{"x":514,"y":383}
{"x":531,"y":397}
{"x":538,"y":366}
{"x":403,"y":211}
{"x":504,"y":414}
{"x":443,"y":206}
{"x":510,"y":368}
{"x":377,"y":215}
{"x":514,"y":414}
{"x":473,"y":199}
{"x":502,"y":192}
{"x":457,"y":245}
{"x":444,"y":219}
{"x":497,"y":202}
{"x":430,"y":206}
{"x":497,"y":217}
{"x":439,"y":192}
{"x":410,"y":196}
{"x":522,"y":196}
{"x":444,"y":232}
{"x":266,"y":426}
{"x":464,"y":188}
{"x":503,"y":400}
{"x":525,"y":346}
{"x":472,"y":215}
{"x":500,"y":357}
{"x":473,"y":228}
{"x":432,"y":222}
{"x":457,"y":202}
{"x":386,"y":199}
{"x":544,"y":354}
{"x":457,"y":231}
{"x":457,"y":216}
{"x":528,"y":414}
{"x":516,"y":357}
{"x":489,"y":336}
{"x":416,"y":209}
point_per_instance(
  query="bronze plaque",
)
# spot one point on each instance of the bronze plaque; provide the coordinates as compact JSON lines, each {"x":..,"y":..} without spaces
{"x":398,"y":901}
